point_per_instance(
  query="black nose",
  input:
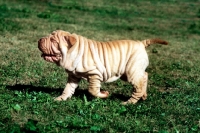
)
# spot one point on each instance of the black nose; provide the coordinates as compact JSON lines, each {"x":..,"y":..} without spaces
{"x":41,"y":41}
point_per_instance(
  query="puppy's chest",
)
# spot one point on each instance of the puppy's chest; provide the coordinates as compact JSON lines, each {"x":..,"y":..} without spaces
{"x":78,"y":74}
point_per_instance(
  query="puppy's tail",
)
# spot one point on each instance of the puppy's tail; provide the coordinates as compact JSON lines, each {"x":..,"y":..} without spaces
{"x":148,"y":42}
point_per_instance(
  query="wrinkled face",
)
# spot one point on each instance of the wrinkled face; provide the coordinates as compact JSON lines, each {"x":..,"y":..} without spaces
{"x":50,"y":49}
{"x":55,"y":46}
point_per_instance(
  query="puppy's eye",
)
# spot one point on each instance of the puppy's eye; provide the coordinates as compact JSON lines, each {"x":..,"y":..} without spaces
{"x":52,"y":40}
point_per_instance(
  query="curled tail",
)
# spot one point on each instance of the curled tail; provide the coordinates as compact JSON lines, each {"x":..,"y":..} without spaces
{"x":148,"y":42}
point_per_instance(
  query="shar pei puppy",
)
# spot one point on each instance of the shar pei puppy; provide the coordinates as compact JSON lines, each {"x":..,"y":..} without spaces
{"x":98,"y":62}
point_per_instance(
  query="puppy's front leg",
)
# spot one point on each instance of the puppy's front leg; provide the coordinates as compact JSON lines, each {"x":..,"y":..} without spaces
{"x":94,"y":87}
{"x":69,"y":90}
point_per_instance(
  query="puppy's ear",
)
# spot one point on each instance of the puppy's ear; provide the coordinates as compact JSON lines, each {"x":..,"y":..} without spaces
{"x":71,"y":39}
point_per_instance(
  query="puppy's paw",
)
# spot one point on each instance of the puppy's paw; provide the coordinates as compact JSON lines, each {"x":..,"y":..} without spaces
{"x":103,"y":94}
{"x":130,"y":101}
{"x":61,"y":98}
{"x":124,"y":103}
{"x":144,"y":97}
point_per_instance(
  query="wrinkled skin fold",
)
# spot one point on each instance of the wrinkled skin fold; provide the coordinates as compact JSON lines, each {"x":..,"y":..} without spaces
{"x":98,"y":62}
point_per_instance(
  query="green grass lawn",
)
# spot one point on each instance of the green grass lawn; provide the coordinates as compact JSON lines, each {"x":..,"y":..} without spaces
{"x":28,"y":84}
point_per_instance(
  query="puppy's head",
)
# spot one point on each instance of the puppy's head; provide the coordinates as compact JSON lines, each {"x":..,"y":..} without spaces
{"x":55,"y":46}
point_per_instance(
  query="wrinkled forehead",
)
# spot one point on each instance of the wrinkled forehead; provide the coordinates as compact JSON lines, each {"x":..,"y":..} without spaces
{"x":59,"y":33}
{"x":55,"y":36}
{"x":51,"y":37}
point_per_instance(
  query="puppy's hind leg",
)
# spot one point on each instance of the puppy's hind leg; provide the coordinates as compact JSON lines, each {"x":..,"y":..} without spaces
{"x":94,"y":87}
{"x":144,"y":97}
{"x":140,"y":89}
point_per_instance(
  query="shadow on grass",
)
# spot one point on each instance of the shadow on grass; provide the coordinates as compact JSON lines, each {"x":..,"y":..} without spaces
{"x":31,"y":88}
{"x":120,"y":97}
{"x":78,"y":93}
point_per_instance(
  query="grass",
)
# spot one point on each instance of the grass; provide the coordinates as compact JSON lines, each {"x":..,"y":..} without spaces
{"x":28,"y":84}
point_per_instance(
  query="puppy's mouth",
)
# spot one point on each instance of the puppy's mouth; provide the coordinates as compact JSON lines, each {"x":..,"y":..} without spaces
{"x":51,"y":58}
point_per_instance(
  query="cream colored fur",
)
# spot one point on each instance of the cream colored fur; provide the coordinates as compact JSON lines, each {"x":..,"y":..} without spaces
{"x":98,"y":62}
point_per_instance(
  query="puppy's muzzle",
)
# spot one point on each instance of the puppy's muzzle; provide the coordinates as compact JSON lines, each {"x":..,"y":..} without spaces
{"x":41,"y":41}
